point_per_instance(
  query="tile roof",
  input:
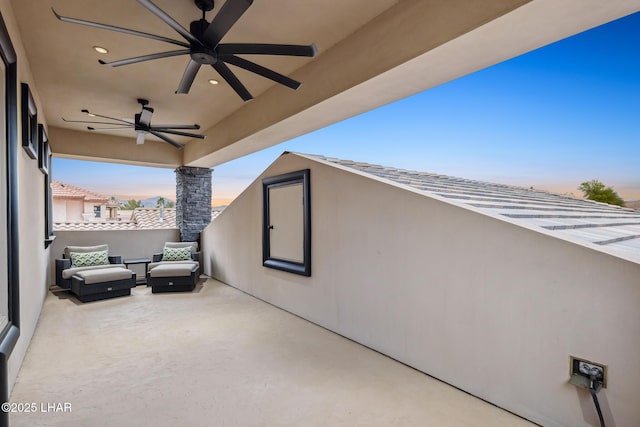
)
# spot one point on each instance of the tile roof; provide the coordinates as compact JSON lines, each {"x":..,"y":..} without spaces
{"x":154,"y":218}
{"x":609,"y":228}
{"x":60,"y":190}
{"x":215,"y":213}
{"x":141,"y":219}
{"x":95,"y":226}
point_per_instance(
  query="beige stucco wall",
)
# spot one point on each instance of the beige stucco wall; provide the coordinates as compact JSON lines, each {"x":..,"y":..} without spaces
{"x":33,"y":268}
{"x":490,"y":307}
{"x":59,"y":210}
{"x":127,"y":243}
{"x":75,"y":209}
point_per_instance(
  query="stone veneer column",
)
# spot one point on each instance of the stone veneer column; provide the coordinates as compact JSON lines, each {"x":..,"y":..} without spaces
{"x":193,"y":204}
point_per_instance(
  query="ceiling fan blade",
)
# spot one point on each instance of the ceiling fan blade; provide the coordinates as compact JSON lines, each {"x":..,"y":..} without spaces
{"x":267,"y":49}
{"x":170,"y":127}
{"x":233,"y":81}
{"x":113,"y":128}
{"x":165,"y":138}
{"x":107,"y":117}
{"x":260,"y":70}
{"x":145,"y":116}
{"x":143,"y":58}
{"x":175,"y":132}
{"x":89,"y":122}
{"x":119,"y":29}
{"x":189,"y":75}
{"x":228,"y":15}
{"x":169,"y":21}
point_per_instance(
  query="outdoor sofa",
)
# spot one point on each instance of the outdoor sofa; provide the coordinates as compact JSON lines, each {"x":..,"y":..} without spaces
{"x":92,"y":274}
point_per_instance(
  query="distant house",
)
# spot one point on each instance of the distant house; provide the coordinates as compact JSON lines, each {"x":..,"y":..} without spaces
{"x":215,"y":211}
{"x":75,"y":204}
{"x":633,"y":204}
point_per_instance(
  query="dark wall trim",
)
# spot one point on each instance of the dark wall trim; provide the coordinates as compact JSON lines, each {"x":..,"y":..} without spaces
{"x":12,"y":193}
{"x":9,"y":336}
{"x":45,"y":163}
{"x":6,"y":47}
{"x":298,"y":177}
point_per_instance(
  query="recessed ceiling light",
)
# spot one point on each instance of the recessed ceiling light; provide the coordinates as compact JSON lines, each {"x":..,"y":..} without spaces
{"x":213,"y":82}
{"x":100,"y":49}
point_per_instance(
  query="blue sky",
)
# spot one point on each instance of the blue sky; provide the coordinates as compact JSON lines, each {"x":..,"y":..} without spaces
{"x":551,"y":119}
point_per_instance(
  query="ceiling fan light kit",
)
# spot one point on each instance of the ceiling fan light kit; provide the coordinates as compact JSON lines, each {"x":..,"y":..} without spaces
{"x":142,"y":125}
{"x":204,"y":48}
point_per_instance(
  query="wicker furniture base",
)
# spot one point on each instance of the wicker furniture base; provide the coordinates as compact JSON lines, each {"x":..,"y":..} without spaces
{"x":102,"y":290}
{"x":104,"y":295}
{"x":172,"y":284}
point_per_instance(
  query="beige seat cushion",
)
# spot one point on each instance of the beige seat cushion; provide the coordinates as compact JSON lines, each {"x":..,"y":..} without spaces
{"x":66,"y":274}
{"x":155,"y":264}
{"x":174,"y":269}
{"x":100,"y":275}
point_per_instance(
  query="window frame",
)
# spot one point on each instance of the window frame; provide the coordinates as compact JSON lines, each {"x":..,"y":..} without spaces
{"x":10,"y":333}
{"x":298,"y":177}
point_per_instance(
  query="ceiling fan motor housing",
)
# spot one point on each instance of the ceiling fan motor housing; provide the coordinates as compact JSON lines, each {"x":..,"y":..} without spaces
{"x":197,"y":28}
{"x":203,"y":55}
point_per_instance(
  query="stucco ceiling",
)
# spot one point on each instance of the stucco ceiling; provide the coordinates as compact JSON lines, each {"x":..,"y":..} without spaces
{"x":369,"y":53}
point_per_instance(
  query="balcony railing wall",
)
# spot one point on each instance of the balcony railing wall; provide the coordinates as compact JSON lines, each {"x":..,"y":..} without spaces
{"x":480,"y":303}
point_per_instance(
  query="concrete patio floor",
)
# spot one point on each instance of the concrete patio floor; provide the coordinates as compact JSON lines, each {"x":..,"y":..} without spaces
{"x":219,"y":357}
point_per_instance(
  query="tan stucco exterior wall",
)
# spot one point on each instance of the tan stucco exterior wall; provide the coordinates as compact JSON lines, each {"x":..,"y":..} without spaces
{"x":75,"y":209}
{"x":59,"y":210}
{"x":490,"y":307}
{"x":33,"y":256}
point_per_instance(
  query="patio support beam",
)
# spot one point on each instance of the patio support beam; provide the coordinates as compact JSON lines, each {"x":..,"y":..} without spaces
{"x":72,"y":144}
{"x":193,"y":201}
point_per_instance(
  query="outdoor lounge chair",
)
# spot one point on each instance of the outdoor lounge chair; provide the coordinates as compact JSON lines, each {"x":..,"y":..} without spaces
{"x":91,"y":274}
{"x":176,"y":269}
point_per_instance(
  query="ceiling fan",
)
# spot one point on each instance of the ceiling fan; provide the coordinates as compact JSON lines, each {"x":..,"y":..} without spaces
{"x":141,"y":124}
{"x":204,"y":47}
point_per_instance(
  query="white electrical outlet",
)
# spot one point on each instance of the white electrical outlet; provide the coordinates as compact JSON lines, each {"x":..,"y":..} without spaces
{"x":591,"y":370}
{"x":588,"y":370}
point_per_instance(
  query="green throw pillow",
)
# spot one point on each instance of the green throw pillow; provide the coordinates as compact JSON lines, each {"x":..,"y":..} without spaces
{"x":88,"y":259}
{"x":176,"y":254}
